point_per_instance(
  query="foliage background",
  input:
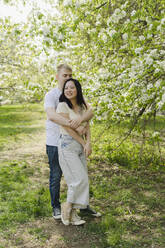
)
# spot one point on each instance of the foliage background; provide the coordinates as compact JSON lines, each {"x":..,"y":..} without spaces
{"x":117,"y":50}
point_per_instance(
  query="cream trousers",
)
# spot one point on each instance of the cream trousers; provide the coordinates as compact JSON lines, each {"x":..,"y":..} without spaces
{"x":74,"y":167}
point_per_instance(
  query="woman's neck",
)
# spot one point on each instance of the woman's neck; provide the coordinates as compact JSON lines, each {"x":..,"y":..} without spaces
{"x":74,"y":103}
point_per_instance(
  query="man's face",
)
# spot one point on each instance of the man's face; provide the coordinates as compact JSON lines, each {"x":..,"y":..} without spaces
{"x":63,"y":75}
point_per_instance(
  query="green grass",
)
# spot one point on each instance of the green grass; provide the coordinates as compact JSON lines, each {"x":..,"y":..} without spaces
{"x":19,"y":201}
{"x":19,"y":120}
{"x":128,"y":190}
{"x":133,"y":152}
{"x":133,"y":205}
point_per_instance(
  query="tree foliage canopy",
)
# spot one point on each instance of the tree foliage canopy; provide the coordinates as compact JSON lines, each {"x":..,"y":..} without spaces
{"x":116,"y":49}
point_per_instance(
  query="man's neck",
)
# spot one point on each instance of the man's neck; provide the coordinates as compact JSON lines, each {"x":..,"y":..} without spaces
{"x":60,"y":86}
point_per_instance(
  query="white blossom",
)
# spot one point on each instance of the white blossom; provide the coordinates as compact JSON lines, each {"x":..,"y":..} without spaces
{"x":135,"y":21}
{"x":45,"y":29}
{"x":125,"y":36}
{"x":104,"y":37}
{"x":54,"y":33}
{"x":149,"y":60}
{"x":81,"y":25}
{"x":61,"y":37}
{"x":138,"y":50}
{"x":159,"y":28}
{"x":150,"y":26}
{"x":149,"y":86}
{"x":117,"y":15}
{"x":127,"y":21}
{"x":148,"y":20}
{"x":161,"y":64}
{"x":157,"y":84}
{"x":155,"y":134}
{"x":67,"y":2}
{"x":153,"y":52}
{"x":123,"y":13}
{"x":160,"y":104}
{"x":141,"y":37}
{"x":132,"y":74}
{"x":163,"y":98}
{"x":162,"y":52}
{"x":112,"y":33}
{"x":133,"y":12}
{"x":163,"y":21}
{"x":98,"y":23}
{"x":157,"y":70}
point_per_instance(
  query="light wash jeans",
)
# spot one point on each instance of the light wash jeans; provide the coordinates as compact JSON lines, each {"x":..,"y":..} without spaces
{"x":74,"y":167}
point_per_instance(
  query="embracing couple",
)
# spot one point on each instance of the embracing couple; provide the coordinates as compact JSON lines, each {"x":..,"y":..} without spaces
{"x":67,"y":146}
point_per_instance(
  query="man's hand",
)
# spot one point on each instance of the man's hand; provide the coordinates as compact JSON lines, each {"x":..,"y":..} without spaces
{"x":75,"y":123}
{"x":87,"y":149}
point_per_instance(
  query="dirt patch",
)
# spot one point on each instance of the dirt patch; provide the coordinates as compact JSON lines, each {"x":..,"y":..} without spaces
{"x":51,"y":233}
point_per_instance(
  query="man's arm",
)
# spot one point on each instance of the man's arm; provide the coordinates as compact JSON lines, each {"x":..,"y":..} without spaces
{"x":60,"y":120}
{"x":57,"y":118}
{"x":72,"y":132}
{"x":85,"y":117}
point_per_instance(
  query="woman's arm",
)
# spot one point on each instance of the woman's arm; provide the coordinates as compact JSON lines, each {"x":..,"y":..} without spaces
{"x":73,"y":133}
{"x":87,"y":115}
{"x":88,"y":148}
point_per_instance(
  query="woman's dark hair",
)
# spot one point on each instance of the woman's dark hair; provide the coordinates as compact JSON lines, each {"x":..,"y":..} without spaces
{"x":80,"y":98}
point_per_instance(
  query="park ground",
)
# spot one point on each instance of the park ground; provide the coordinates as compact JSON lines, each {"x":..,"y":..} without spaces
{"x":131,"y":199}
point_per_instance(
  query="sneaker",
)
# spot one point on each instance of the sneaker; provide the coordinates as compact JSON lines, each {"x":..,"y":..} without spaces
{"x":75,"y":219}
{"x":65,"y":214}
{"x":56,"y":213}
{"x":90,"y":211}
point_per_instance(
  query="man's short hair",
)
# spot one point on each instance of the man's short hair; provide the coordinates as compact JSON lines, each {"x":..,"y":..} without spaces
{"x":63,"y":66}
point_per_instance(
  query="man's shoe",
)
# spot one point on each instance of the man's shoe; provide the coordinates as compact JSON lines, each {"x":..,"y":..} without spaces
{"x":56,"y":213}
{"x":90,"y":211}
{"x":75,"y":219}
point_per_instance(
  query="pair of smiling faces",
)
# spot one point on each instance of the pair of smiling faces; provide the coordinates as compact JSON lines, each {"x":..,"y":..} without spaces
{"x":70,"y":90}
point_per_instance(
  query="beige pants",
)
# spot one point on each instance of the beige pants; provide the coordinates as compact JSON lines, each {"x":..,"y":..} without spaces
{"x":73,"y":164}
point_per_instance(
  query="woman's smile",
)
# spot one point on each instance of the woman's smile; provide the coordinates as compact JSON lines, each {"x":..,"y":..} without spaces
{"x":70,"y":90}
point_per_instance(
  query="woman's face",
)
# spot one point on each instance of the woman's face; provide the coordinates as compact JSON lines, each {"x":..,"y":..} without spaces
{"x":70,"y":90}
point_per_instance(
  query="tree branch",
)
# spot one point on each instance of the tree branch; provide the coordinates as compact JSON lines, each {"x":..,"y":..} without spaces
{"x":103,"y":4}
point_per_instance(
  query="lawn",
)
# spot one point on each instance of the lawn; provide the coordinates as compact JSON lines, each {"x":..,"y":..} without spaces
{"x":128,"y":190}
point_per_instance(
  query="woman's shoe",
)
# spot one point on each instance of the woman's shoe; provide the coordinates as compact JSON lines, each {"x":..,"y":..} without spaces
{"x":65,"y":214}
{"x":75,"y":219}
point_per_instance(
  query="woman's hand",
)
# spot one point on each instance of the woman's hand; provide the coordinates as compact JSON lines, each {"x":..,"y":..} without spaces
{"x":81,"y":130}
{"x":75,"y":123}
{"x":87,"y":149}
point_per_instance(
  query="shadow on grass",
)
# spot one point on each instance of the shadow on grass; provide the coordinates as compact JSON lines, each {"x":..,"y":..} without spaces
{"x":10,"y":131}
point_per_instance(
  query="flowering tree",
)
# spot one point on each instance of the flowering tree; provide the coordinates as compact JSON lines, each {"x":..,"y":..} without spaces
{"x":120,"y":50}
{"x":116,"y":49}
{"x":24,"y":67}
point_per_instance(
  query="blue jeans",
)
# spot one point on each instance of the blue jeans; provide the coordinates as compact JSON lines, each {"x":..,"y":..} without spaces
{"x":55,"y":175}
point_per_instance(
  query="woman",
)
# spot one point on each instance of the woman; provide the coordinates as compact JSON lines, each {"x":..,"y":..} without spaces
{"x":73,"y":150}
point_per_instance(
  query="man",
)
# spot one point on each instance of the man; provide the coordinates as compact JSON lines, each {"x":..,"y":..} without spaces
{"x":64,"y":72}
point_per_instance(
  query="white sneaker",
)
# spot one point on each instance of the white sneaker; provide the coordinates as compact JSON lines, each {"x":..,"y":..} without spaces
{"x":65,"y":214}
{"x":56,"y":213}
{"x":75,"y":219}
